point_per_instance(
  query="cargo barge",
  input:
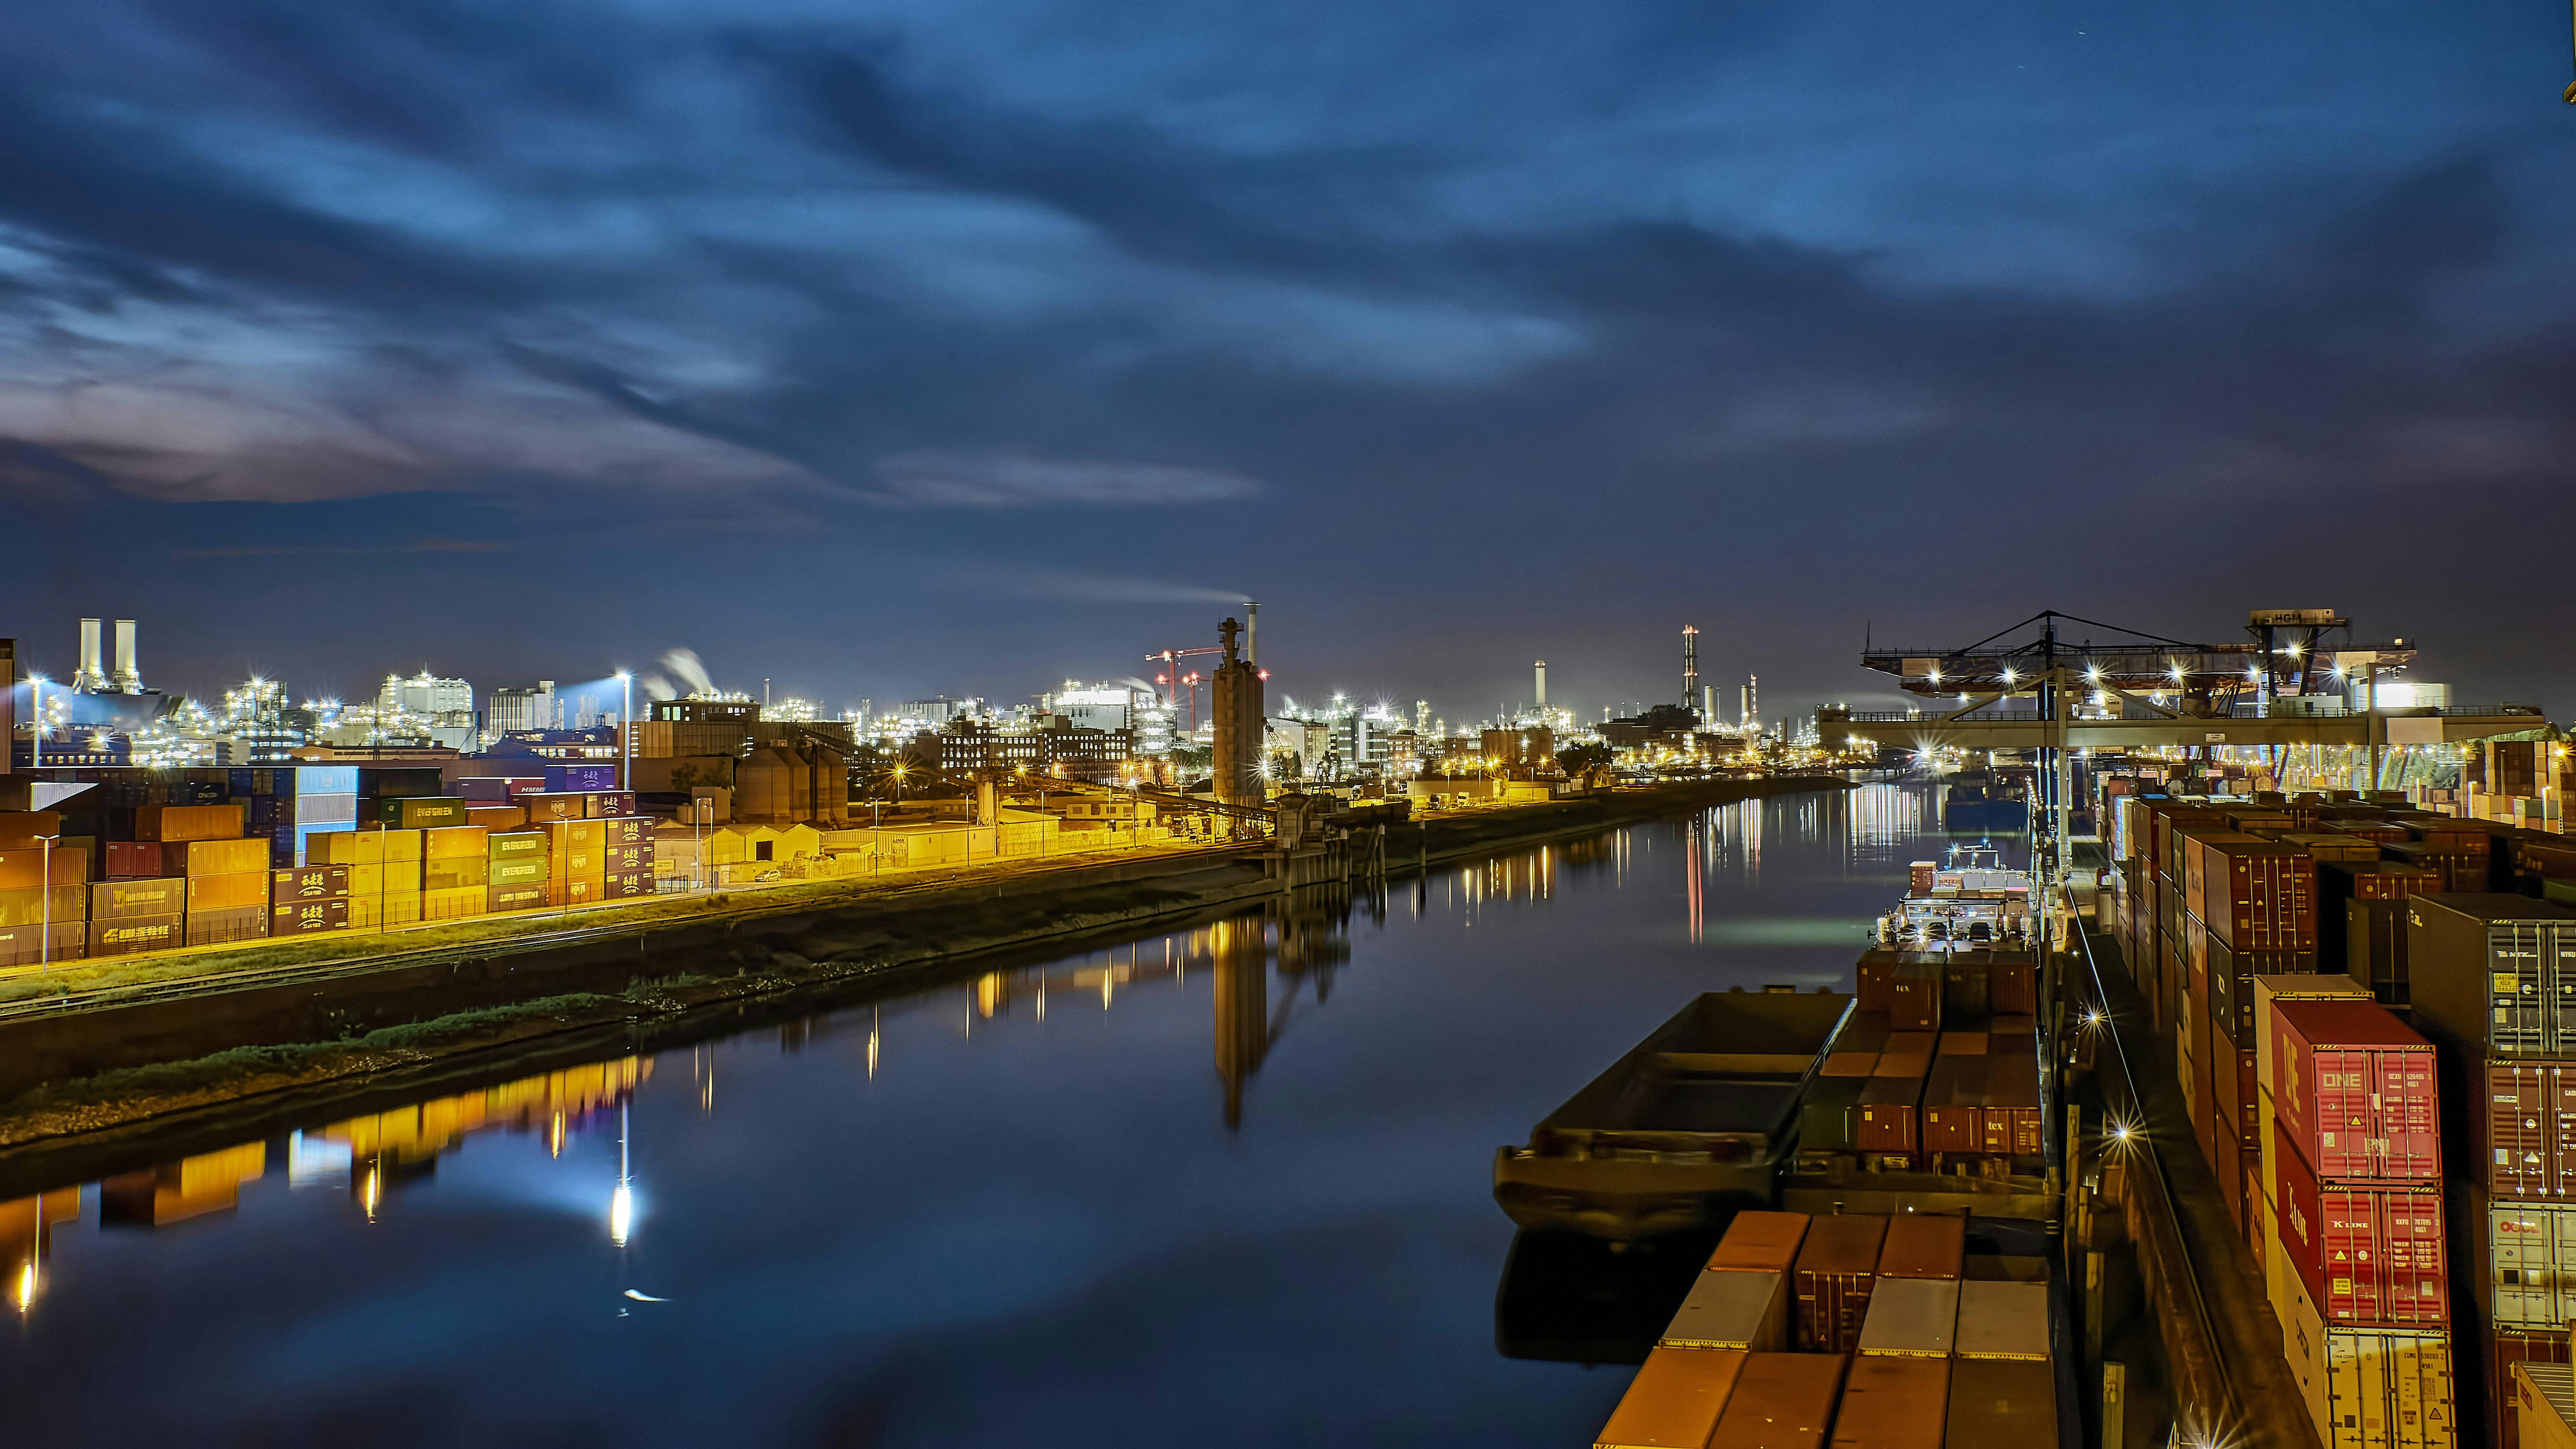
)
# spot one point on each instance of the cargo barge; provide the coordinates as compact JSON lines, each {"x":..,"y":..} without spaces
{"x":2369,"y":1010}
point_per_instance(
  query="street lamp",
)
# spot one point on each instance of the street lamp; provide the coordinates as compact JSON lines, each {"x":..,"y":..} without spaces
{"x":36,"y":741}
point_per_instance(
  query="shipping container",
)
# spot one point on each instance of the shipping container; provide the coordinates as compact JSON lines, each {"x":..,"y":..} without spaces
{"x":1924,"y":1245}
{"x":2008,"y":1122}
{"x":627,"y":830}
{"x":1953,"y":1096}
{"x":2012,"y":984}
{"x":546,"y":808}
{"x":422,"y":812}
{"x":2269,"y":989}
{"x":37,"y":944}
{"x":140,"y":859}
{"x":1758,"y":1241}
{"x":377,"y":913}
{"x":591,"y":835}
{"x":448,"y":903}
{"x":1827,"y":1114}
{"x":2494,"y":974}
{"x":455,"y":874}
{"x":525,"y":870}
{"x":2501,"y":1352}
{"x":1740,"y":1309}
{"x":2231,"y":988}
{"x":27,"y":870}
{"x":116,"y":900}
{"x":2374,"y":948}
{"x":1674,"y":1401}
{"x":2233,"y":1093}
{"x":1911,"y":1317}
{"x":579,"y":779}
{"x":2003,"y":1320}
{"x":2370,"y":1253}
{"x":1781,"y":1401}
{"x":2001,"y":1403}
{"x":2544,"y":1404}
{"x":303,"y":917}
{"x":380,"y":882}
{"x":609,"y":804}
{"x":2526,"y":1125}
{"x":621,"y":859}
{"x":227,"y":857}
{"x":127,"y":935}
{"x":2461,"y":871}
{"x":2253,"y":894}
{"x":496,"y":817}
{"x":39,"y":907}
{"x":517,"y":845}
{"x":2354,"y":1089}
{"x":308,"y":883}
{"x":1894,"y":1403}
{"x":27,"y":829}
{"x":239,"y":891}
{"x":2333,"y":847}
{"x":2369,"y":1388}
{"x":455,"y":842}
{"x":1887,"y":1115}
{"x":517,"y":897}
{"x":1836,"y":1268}
{"x":1914,"y":996}
{"x":2531,"y":1265}
{"x":171,"y":823}
{"x":231,"y":923}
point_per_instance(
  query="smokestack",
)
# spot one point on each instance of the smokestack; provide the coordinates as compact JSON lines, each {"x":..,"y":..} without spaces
{"x":92,"y":673}
{"x":1252,"y":632}
{"x":1708,"y":704}
{"x":1690,"y":665}
{"x":129,"y":680}
{"x":1542,"y":684}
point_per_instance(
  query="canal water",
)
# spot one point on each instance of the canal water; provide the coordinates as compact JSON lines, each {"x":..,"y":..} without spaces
{"x":1225,"y":1185}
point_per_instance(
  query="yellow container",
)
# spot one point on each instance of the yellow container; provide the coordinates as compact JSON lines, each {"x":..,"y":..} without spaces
{"x":188,"y":822}
{"x":455,"y":842}
{"x":362,"y":847}
{"x":496,"y":817}
{"x":449,"y":904}
{"x":24,"y":870}
{"x":229,"y":857}
{"x":228,"y":892}
{"x":402,"y":878}
{"x":368,"y":914}
{"x":588,"y":863}
{"x":563,"y":835}
{"x":62,"y":904}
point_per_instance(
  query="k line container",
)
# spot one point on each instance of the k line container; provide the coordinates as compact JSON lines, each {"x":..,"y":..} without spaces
{"x":2000,"y":1403}
{"x":1836,"y":1269}
{"x":1781,"y":1401}
{"x":2002,"y":1320}
{"x":1674,"y":1401}
{"x":1759,"y":1241}
{"x":2496,"y":974}
{"x":1911,"y":1318}
{"x":2526,"y":1125}
{"x":1893,"y":1403}
{"x":2354,"y":1090}
{"x":2371,"y":1254}
{"x":1736,"y":1309}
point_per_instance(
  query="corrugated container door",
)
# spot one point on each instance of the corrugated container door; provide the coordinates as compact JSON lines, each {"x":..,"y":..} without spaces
{"x":2389,"y":1389}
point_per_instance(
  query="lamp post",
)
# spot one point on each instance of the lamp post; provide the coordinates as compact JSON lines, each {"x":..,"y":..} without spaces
{"x":36,"y":741}
{"x":626,"y":732}
{"x":45,"y":878}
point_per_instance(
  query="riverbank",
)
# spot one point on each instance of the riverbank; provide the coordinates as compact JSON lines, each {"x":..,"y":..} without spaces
{"x":120,"y":1063}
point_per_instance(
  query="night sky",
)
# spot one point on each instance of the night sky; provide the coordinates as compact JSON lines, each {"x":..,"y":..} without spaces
{"x":891,"y":349}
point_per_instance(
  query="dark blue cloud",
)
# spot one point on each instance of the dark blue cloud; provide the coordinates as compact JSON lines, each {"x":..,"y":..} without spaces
{"x":1463,"y":333}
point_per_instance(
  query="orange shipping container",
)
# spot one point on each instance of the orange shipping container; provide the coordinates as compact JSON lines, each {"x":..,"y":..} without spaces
{"x":228,"y":857}
{"x":188,"y":822}
{"x":496,"y":817}
{"x":19,"y":829}
{"x":1837,"y":1266}
{"x":25,"y":870}
{"x":1760,"y":1242}
{"x":1781,"y":1401}
{"x":228,"y":892}
{"x":1895,"y":1403}
{"x":591,"y":835}
{"x":35,"y":908}
{"x":1675,"y":1400}
{"x":1924,"y":1245}
{"x":455,"y":842}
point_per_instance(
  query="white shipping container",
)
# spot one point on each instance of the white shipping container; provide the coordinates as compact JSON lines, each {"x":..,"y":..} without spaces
{"x":1733,"y":1310}
{"x":1911,"y":1317}
{"x":2002,"y":1320}
{"x":2366,"y":1388}
{"x":2531,"y":1256}
{"x":2545,"y":1405}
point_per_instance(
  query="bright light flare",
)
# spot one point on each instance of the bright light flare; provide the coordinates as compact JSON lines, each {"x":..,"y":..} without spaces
{"x":621,"y":1215}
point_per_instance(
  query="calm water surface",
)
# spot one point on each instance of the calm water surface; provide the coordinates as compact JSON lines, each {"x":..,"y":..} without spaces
{"x":1224,"y":1186}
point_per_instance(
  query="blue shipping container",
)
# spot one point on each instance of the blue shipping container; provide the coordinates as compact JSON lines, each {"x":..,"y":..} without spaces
{"x":576,"y":779}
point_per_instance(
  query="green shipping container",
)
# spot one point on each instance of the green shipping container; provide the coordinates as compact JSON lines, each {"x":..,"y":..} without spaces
{"x":424,"y":814}
{"x":527,"y":870}
{"x":518,"y":845}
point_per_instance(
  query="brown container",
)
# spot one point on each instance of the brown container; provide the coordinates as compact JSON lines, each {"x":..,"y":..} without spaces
{"x":518,"y":897}
{"x":119,"y":899}
{"x":2008,"y":1123}
{"x":19,"y":829}
{"x":455,"y":873}
{"x":2333,"y":845}
{"x":1953,"y":1096}
{"x":627,"y":830}
{"x":1998,"y":1403}
{"x":2256,"y":895}
{"x":626,"y":859}
{"x":1836,"y":1266}
{"x":1891,"y":1402}
{"x":27,"y":945}
{"x":2503,"y":1351}
{"x":1849,"y":1064}
{"x":2012,"y":987}
{"x":127,"y":935}
{"x":1875,"y":978}
{"x":300,"y":918}
{"x":238,"y":923}
{"x":1759,"y":1241}
{"x":1781,"y":1401}
{"x":2527,"y":1130}
{"x":245,"y":890}
{"x":1674,"y":1400}
{"x":627,"y":885}
{"x":1914,"y":997}
{"x":1924,"y":1245}
{"x":37,"y":907}
{"x":1884,"y":1119}
{"x":1907,"y":1053}
{"x":308,"y":883}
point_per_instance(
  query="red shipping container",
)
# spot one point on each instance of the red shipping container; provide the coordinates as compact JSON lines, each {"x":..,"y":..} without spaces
{"x":2527,"y":1131}
{"x":2257,"y":895}
{"x":1887,"y":1115}
{"x":1952,"y":1096}
{"x":2355,"y":1091}
{"x":144,"y":860}
{"x":1877,"y":979}
{"x":1914,"y":997}
{"x":2370,"y":1252}
{"x":2010,"y":990}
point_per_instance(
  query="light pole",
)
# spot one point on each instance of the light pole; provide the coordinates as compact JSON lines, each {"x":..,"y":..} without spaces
{"x":45,"y":877}
{"x":626,"y":732}
{"x":36,"y":741}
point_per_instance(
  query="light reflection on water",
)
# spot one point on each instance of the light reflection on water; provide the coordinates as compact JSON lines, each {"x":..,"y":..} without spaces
{"x":1224,"y":1182}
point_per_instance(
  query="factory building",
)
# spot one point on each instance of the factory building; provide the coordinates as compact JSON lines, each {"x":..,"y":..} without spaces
{"x":511,"y":711}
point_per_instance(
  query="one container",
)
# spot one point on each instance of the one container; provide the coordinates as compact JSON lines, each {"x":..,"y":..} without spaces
{"x":2231,"y":987}
{"x":2354,"y":1089}
{"x":2371,"y":1253}
{"x":1911,"y":1317}
{"x":627,"y":830}
{"x":1781,"y":1401}
{"x":1743,"y":1310}
{"x":524,"y":870}
{"x":455,"y":842}
{"x":1924,"y":1245}
{"x":2002,"y":1320}
{"x":517,"y":897}
{"x":419,"y":813}
{"x":2269,"y":989}
{"x":1837,"y":1267}
{"x":1914,"y":996}
{"x":2000,"y":1403}
{"x":1758,"y":1241}
{"x":626,"y":885}
{"x":33,"y":945}
{"x":2505,"y":1351}
{"x":1952,"y":1097}
{"x":2008,"y":1121}
{"x":2494,"y":973}
{"x":1893,"y":1403}
{"x":2526,"y":1121}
